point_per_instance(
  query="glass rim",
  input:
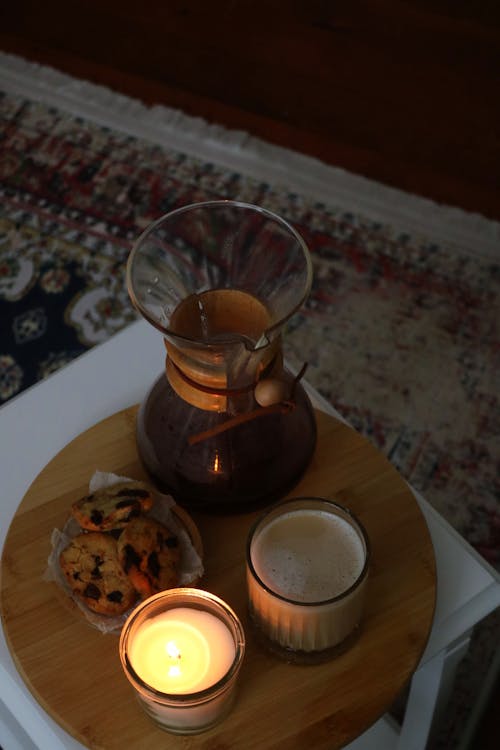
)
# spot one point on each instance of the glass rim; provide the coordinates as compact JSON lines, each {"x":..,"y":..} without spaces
{"x":231,"y":339}
{"x":191,"y":598}
{"x":330,"y":504}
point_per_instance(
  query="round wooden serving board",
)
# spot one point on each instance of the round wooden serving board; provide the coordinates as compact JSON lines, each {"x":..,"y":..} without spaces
{"x":74,"y":671}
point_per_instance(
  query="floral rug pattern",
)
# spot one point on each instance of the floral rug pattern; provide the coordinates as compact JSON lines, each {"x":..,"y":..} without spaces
{"x":400,"y":332}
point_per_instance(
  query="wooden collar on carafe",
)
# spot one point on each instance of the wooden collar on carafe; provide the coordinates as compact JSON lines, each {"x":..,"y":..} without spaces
{"x":206,"y":389}
{"x":211,"y":399}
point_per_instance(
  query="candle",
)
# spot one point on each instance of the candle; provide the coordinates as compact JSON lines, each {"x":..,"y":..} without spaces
{"x":307,"y":567}
{"x":182,"y":650}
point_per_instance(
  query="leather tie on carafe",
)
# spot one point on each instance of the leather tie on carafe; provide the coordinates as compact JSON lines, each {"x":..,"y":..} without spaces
{"x":284,"y":406}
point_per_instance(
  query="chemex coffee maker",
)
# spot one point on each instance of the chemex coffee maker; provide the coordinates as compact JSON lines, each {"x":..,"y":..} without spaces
{"x":225,"y":427}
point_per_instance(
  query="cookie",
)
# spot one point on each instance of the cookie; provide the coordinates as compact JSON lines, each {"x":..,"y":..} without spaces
{"x":149,"y":554}
{"x":112,"y":507}
{"x":91,"y":567}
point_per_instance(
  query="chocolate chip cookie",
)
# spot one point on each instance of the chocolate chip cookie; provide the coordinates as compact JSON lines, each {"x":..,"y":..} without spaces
{"x":112,"y":507}
{"x":91,"y":567}
{"x":149,"y":554}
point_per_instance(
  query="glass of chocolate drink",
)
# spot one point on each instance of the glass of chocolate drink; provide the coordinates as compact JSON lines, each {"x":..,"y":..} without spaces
{"x":307,"y":570}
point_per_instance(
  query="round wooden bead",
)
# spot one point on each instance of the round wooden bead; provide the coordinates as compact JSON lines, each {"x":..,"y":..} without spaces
{"x":270,"y":391}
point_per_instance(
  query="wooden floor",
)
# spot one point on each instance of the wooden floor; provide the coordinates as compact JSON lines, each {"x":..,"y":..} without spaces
{"x":406,"y":92}
{"x":402,"y":91}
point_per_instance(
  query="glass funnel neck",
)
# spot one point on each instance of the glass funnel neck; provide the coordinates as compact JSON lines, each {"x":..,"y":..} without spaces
{"x":218,"y":275}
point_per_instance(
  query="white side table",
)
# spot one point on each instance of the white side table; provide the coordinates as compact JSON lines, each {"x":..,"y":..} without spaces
{"x":42,"y":420}
{"x":468,"y":590}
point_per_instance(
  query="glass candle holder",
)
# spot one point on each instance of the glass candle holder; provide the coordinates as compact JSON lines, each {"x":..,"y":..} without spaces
{"x":307,"y":568}
{"x":181,"y":651}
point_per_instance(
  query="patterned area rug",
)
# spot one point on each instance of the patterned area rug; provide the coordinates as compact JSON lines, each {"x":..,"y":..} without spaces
{"x":400,"y":330}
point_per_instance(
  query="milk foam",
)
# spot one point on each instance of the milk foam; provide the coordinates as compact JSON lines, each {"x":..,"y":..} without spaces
{"x":308,"y":555}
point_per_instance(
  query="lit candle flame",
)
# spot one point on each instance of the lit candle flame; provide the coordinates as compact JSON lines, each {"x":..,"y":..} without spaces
{"x":216,"y":463}
{"x":174,"y":653}
{"x":172,"y":650}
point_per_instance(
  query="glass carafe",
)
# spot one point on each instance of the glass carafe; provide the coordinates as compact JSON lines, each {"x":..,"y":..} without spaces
{"x":226,"y":427}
